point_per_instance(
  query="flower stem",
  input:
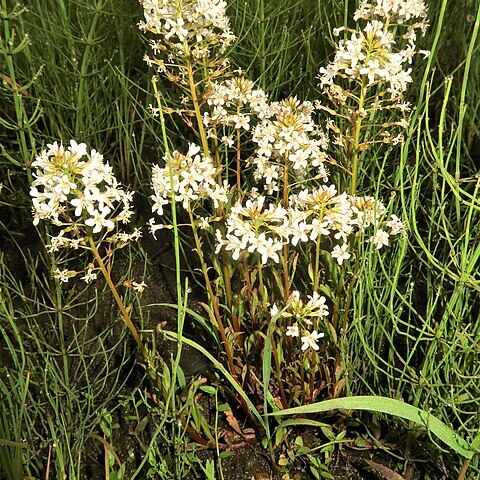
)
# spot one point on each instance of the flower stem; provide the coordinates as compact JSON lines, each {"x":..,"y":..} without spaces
{"x":196,"y":106}
{"x":239,"y":163}
{"x":279,"y":375}
{"x":356,"y":144}
{"x":316,"y":271}
{"x":126,"y":316}
{"x":286,"y":277}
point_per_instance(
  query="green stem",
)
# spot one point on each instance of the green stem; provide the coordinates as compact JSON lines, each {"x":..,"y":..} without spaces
{"x":286,"y":277}
{"x":22,"y":119}
{"x":351,"y":285}
{"x":59,"y":312}
{"x":356,"y":143}
{"x":196,"y":106}
{"x":262,"y":52}
{"x":283,"y":397}
{"x":316,"y":271}
{"x":82,"y":86}
{"x":239,"y":163}
{"x":176,"y":237}
{"x":261,"y":286}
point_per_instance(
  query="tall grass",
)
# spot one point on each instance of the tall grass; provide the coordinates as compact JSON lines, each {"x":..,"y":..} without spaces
{"x":281,"y":44}
{"x":416,"y":323}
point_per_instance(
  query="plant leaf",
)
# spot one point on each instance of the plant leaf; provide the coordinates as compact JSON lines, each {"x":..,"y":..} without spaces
{"x":393,"y":407}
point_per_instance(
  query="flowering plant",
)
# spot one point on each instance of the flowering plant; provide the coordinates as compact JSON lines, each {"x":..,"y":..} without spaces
{"x":78,"y":194}
{"x":366,"y":81}
{"x":277,"y":241}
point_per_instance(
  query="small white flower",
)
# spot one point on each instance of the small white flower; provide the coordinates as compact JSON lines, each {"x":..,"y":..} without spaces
{"x":99,"y":221}
{"x":139,"y":287}
{"x":340,"y":253}
{"x":58,"y":242}
{"x":136,"y":234}
{"x":293,"y":331}
{"x":153,"y":227}
{"x":380,"y":239}
{"x":317,"y":305}
{"x":64,"y":275}
{"x":228,"y":140}
{"x":89,"y":276}
{"x":310,"y":340}
{"x":154,"y":111}
{"x":396,"y":225}
{"x":274,"y":311}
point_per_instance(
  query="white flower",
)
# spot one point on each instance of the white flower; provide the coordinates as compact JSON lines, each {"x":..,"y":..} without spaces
{"x":154,"y":227}
{"x":374,"y":57}
{"x":139,"y":287}
{"x":227,"y":140}
{"x":194,"y":179}
{"x":252,"y":228}
{"x":267,"y":248}
{"x":136,"y":234}
{"x":274,"y":311}
{"x":395,"y":11}
{"x":310,"y":340}
{"x":340,"y":253}
{"x":380,"y":239}
{"x":396,"y":225}
{"x":58,"y":242}
{"x":317,"y":305}
{"x":67,"y":183}
{"x":292,"y":331}
{"x":186,"y":29}
{"x":288,"y":133}
{"x":99,"y":221}
{"x":63,"y":275}
{"x":77,"y":149}
{"x":203,"y":223}
{"x":89,"y":276}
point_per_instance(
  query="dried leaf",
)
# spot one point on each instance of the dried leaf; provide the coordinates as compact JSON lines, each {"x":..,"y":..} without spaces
{"x":232,"y":421}
{"x":384,"y":471}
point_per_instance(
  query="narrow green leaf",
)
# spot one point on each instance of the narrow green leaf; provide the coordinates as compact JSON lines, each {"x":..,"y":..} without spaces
{"x":393,"y":407}
{"x":266,"y":369}
{"x":224,"y":372}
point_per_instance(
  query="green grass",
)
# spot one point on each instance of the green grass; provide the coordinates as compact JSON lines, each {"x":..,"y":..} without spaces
{"x":416,"y":322}
{"x":414,"y":333}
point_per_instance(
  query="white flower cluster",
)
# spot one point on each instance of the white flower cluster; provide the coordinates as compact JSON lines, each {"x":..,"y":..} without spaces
{"x":305,"y":316}
{"x":322,"y":212}
{"x":288,"y":135}
{"x":77,"y":191}
{"x":253,"y":228}
{"x":258,"y":228}
{"x":371,"y":56}
{"x":75,"y":188}
{"x":318,"y":212}
{"x":187,"y":28}
{"x":289,"y":148}
{"x":194,"y":178}
{"x":394,"y":11}
{"x":233,"y":102}
{"x":283,"y":132}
